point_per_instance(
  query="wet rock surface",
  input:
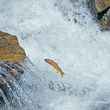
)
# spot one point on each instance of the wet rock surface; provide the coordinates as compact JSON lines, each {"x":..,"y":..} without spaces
{"x":10,"y":49}
{"x":9,"y":74}
{"x":101,"y":11}
{"x":11,"y":69}
{"x":101,"y":5}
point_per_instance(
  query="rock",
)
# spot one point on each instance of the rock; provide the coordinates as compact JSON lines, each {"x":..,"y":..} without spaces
{"x":100,"y":9}
{"x":12,"y":57}
{"x":10,"y":74}
{"x":10,"y":49}
{"x":14,"y":69}
{"x":102,"y":5}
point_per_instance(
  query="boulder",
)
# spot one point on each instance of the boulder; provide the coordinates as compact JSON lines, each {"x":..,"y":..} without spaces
{"x":102,"y":5}
{"x":100,"y":9}
{"x":10,"y":50}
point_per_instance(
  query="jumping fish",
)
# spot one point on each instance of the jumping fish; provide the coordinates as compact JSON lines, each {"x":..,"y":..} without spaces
{"x":55,"y":66}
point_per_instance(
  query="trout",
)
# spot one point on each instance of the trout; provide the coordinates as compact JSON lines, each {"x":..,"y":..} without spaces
{"x":55,"y":66}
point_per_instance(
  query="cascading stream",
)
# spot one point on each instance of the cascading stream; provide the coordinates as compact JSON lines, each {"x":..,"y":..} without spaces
{"x":62,"y":30}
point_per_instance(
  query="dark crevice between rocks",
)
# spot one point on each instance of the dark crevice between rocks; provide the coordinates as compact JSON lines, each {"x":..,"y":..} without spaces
{"x":101,"y":14}
{"x":101,"y":18}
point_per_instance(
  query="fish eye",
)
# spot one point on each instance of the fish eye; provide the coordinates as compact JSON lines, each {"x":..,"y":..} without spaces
{"x":45,"y":59}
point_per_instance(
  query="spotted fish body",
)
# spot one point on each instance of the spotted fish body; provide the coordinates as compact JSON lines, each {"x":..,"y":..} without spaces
{"x":55,"y":66}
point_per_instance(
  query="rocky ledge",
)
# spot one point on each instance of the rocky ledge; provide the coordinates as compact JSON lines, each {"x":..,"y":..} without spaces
{"x":12,"y":57}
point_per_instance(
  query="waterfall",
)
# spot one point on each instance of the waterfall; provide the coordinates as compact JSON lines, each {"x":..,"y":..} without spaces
{"x":65,"y":31}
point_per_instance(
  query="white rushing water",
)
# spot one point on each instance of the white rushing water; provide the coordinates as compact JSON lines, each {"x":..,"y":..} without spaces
{"x":65,"y":31}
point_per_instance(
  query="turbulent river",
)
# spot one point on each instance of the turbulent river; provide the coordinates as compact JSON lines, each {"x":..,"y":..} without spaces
{"x":63,"y":30}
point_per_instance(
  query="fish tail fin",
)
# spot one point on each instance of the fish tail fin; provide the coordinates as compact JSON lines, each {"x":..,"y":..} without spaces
{"x":62,"y":74}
